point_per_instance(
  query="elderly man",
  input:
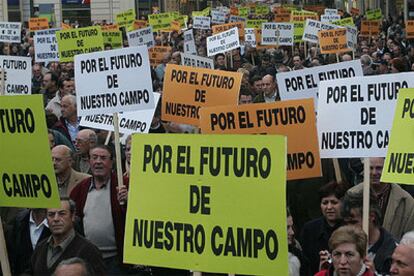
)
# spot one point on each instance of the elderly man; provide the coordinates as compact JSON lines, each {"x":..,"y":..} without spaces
{"x":85,"y":140}
{"x":65,"y":88}
{"x":270,"y":92}
{"x":403,"y":257}
{"x":50,"y":86}
{"x":64,"y":243}
{"x":98,"y":200}
{"x":397,"y":206}
{"x":67,"y":177}
{"x":68,"y":124}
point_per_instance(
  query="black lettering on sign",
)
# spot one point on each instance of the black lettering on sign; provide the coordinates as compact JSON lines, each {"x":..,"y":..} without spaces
{"x":157,"y":158}
{"x":17,"y":121}
{"x":199,"y":199}
{"x":26,"y":185}
{"x":402,"y":163}
{"x":408,"y":107}
{"x":354,"y":139}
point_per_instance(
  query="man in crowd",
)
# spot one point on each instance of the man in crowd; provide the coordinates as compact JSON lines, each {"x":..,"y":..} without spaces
{"x":73,"y":267}
{"x":85,"y":140}
{"x":68,"y":124}
{"x":397,"y":206}
{"x":66,"y":177}
{"x":64,"y":243}
{"x":65,"y":88}
{"x":101,"y":207}
{"x":403,"y":256}
{"x":50,"y":87}
{"x":270,"y":91}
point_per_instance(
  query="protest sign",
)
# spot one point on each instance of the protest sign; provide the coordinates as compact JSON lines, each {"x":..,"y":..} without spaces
{"x":258,"y":38}
{"x":110,"y":27}
{"x":261,"y":10}
{"x":250,"y":37}
{"x":126,"y":18}
{"x":205,"y":12}
{"x":298,"y":28}
{"x":160,"y":21}
{"x":186,"y":89}
{"x":312,"y":28}
{"x":344,"y":22}
{"x":201,"y":22}
{"x":121,"y":81}
{"x":45,"y":46}
{"x":223,"y":42}
{"x":28,"y":178}
{"x":2,"y":81}
{"x":236,"y":18}
{"x":129,"y":122}
{"x":10,"y":32}
{"x":374,"y":14}
{"x":292,"y":119}
{"x":197,"y":226}
{"x":398,"y":166}
{"x":352,"y":37}
{"x":280,"y":34}
{"x":303,"y":16}
{"x":38,"y":23}
{"x":157,"y":53}
{"x":189,"y":44}
{"x":329,"y":18}
{"x":409,"y":29}
{"x":218,"y":17}
{"x":138,"y":24}
{"x":355,"y":116}
{"x":113,"y":38}
{"x":370,"y":28}
{"x":196,"y":61}
{"x":282,"y":16}
{"x":331,"y":11}
{"x":304,"y":83}
{"x":225,"y":27}
{"x":244,"y":11}
{"x":255,"y":23}
{"x":141,"y":37}
{"x":65,"y":26}
{"x":79,"y":41}
{"x":333,"y":41}
{"x":19,"y":74}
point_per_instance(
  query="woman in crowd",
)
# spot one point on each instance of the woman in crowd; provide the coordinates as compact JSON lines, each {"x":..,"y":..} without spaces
{"x":316,"y":233}
{"x":348,"y":246}
{"x":298,"y":265}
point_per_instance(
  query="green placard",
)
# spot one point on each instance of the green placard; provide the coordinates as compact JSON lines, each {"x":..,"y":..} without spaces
{"x":114,"y":38}
{"x":244,"y":12}
{"x":125,"y":18}
{"x":256,"y":24}
{"x":374,"y":14}
{"x":212,"y":203}
{"x":344,"y":22}
{"x":261,"y":10}
{"x":298,"y":28}
{"x":26,"y":171}
{"x":399,"y":164}
{"x":73,"y":42}
{"x":161,"y":21}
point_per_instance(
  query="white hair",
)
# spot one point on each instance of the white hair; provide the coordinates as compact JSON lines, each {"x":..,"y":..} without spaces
{"x":408,"y":239}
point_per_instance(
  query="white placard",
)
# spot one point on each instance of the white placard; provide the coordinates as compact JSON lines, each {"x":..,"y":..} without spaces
{"x":45,"y":47}
{"x":300,"y":84}
{"x":312,"y":28}
{"x":129,"y":122}
{"x":330,"y":17}
{"x":10,"y":32}
{"x":201,"y":22}
{"x":113,"y":81}
{"x":331,"y":11}
{"x":351,"y":37}
{"x":218,"y":17}
{"x":197,"y":61}
{"x":355,"y":116}
{"x":142,"y":36}
{"x":235,"y":18}
{"x":189,"y":44}
{"x":250,"y":37}
{"x":18,"y":74}
{"x":277,"y":34}
{"x":223,"y":42}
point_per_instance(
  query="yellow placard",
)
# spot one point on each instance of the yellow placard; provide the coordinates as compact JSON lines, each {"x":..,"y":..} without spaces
{"x":303,"y":160}
{"x":303,"y":15}
{"x":205,"y":12}
{"x":333,"y":41}
{"x":156,"y":54}
{"x":399,"y":163}
{"x":255,"y":23}
{"x":370,"y":28}
{"x":125,"y":18}
{"x":374,"y":14}
{"x":113,"y":38}
{"x":261,"y":10}
{"x":161,"y":21}
{"x":344,"y":22}
{"x":111,"y":27}
{"x":409,"y":29}
{"x":207,"y":205}
{"x":65,"y":26}
{"x":224,"y":27}
{"x":187,"y":88}
{"x":244,"y":11}
{"x":298,"y":29}
{"x":26,"y":171}
{"x":38,"y":23}
{"x":79,"y":41}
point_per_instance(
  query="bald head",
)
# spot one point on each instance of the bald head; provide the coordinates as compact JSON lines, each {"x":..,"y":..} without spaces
{"x":62,"y":159}
{"x":85,"y":140}
{"x":68,"y":107}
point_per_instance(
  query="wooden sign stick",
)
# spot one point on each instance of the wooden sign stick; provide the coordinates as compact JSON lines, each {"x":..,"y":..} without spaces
{"x":118,"y":151}
{"x":108,"y":137}
{"x":365,"y":206}
{"x":337,"y":168}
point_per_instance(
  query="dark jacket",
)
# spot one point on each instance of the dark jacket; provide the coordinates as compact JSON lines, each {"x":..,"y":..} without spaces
{"x":62,"y":128}
{"x":79,"y":195}
{"x":314,"y":238}
{"x":79,"y":247}
{"x":383,"y":250}
{"x":20,"y":249}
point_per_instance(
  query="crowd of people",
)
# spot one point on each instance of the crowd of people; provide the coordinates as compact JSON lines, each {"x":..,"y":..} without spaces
{"x":85,"y":236}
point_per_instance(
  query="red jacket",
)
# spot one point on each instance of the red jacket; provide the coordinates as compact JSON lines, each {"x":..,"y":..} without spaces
{"x":79,"y":195}
{"x":327,"y":272}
